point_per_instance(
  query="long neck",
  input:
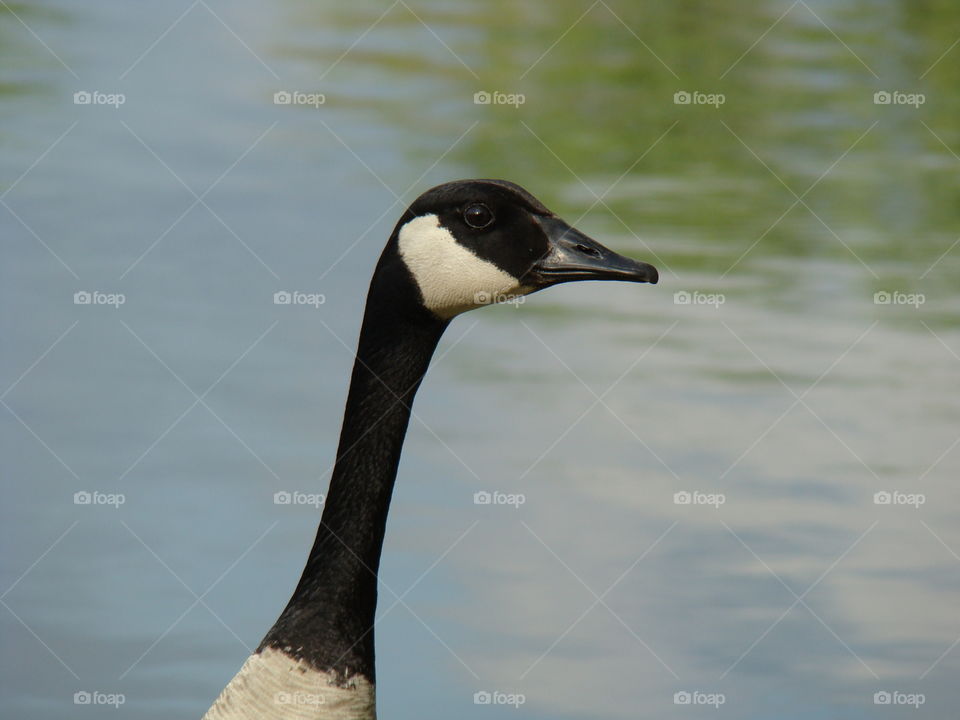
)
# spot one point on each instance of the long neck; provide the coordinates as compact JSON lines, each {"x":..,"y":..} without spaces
{"x":329,"y":620}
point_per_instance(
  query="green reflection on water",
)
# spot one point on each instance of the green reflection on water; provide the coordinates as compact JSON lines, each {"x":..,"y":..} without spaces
{"x":879,"y":189}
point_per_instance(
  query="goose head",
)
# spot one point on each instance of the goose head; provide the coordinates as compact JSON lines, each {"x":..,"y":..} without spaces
{"x":470,"y":243}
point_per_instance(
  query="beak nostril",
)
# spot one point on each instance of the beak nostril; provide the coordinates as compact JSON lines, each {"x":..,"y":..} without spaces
{"x":587,"y":250}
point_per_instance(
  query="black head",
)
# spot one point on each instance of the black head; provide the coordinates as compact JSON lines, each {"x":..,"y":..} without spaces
{"x":469,"y":243}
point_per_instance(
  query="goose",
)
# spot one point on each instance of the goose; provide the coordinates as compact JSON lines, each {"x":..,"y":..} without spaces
{"x":459,"y":246}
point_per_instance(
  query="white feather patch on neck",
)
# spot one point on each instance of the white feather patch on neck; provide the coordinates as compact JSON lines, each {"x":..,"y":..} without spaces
{"x":451,"y":278}
{"x":272,"y":685}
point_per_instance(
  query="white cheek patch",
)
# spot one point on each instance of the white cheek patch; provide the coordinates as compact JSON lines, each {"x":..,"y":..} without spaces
{"x":451,"y":278}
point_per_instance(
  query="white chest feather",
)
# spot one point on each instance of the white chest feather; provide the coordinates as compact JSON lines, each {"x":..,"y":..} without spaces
{"x":451,"y":278}
{"x":272,"y":685}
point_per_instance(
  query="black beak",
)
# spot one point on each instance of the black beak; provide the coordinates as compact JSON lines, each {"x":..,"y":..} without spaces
{"x":571,"y":256}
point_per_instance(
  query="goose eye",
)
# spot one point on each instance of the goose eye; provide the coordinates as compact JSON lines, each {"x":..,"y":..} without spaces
{"x":477,"y":216}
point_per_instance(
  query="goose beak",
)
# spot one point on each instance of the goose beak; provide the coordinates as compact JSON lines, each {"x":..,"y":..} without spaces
{"x":572,"y":256}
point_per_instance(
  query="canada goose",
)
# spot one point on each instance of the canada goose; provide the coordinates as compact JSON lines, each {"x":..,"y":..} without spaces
{"x":458,"y":246}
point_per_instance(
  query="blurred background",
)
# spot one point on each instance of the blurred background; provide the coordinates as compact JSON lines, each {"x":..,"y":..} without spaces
{"x":739,"y":486}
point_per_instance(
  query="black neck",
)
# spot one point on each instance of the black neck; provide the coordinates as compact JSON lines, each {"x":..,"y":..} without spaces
{"x":329,"y":620}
